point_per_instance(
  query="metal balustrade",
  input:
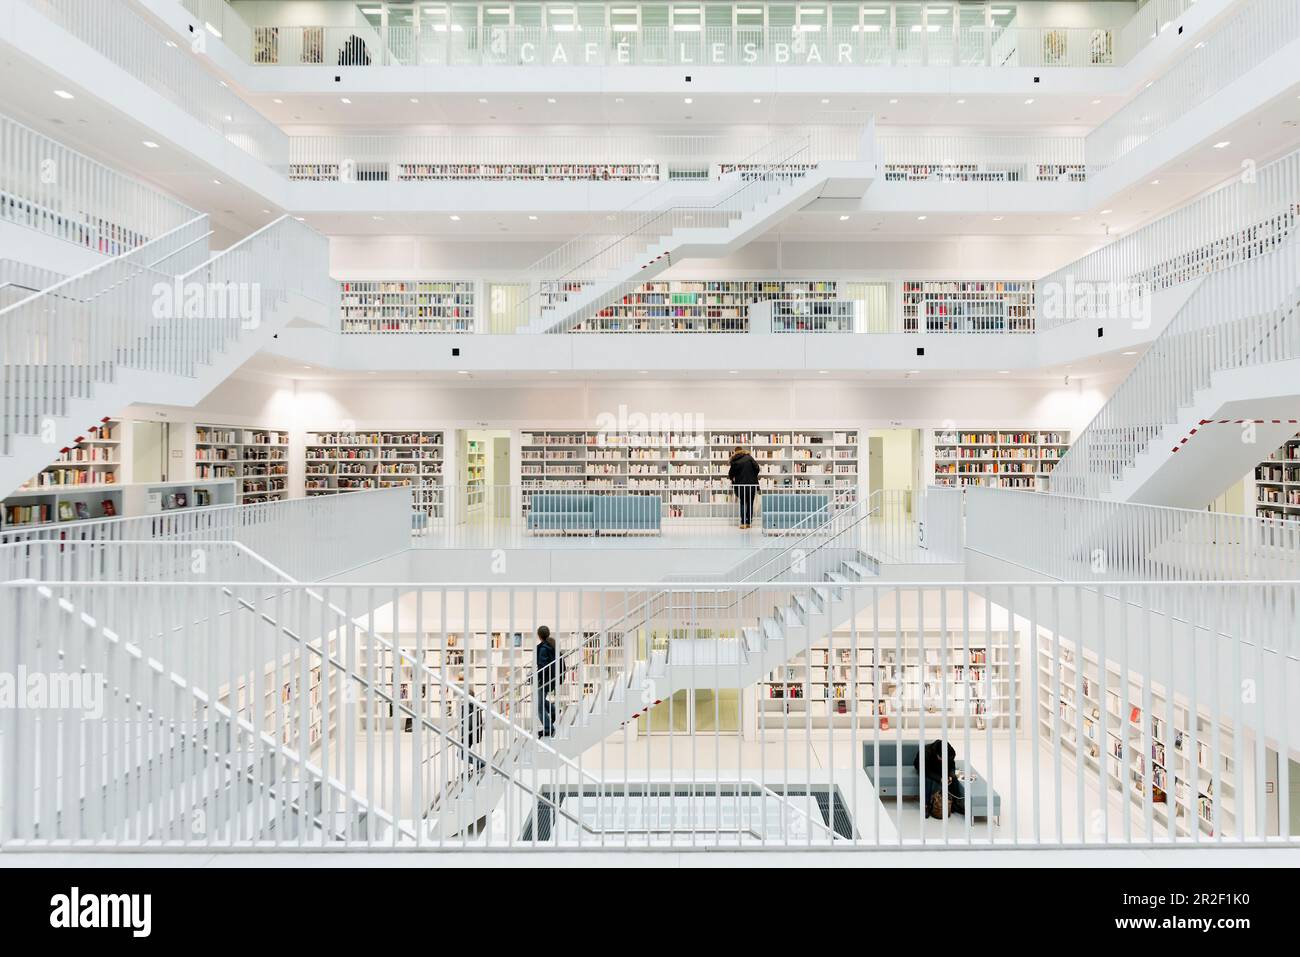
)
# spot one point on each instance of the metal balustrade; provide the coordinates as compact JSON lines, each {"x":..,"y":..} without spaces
{"x":48,"y":187}
{"x":678,"y":509}
{"x":114,"y":29}
{"x":1083,"y":539}
{"x":1244,"y":218}
{"x":350,"y":717}
{"x":1257,"y":30}
{"x":78,"y":335}
{"x":310,"y":539}
{"x":1240,"y":318}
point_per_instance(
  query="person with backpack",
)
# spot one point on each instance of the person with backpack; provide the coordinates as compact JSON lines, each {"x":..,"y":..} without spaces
{"x":938,"y":773}
{"x":744,"y":473}
{"x":550,"y":672}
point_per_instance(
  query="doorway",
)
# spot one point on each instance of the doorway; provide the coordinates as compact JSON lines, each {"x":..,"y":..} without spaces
{"x":153,"y":450}
{"x":485,"y":485}
{"x":894,"y":460}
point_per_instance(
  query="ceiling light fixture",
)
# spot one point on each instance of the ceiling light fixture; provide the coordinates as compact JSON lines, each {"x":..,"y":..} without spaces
{"x":344,"y":99}
{"x":844,"y":219}
{"x":63,"y":94}
{"x":1223,"y":145}
{"x":922,"y":218}
{"x":533,"y":218}
{"x":150,"y":143}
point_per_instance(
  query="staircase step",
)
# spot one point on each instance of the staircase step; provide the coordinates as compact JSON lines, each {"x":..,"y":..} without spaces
{"x":858,"y":570}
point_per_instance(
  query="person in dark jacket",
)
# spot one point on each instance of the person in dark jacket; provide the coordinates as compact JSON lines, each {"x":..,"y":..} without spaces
{"x":744,"y":482}
{"x":471,"y":728}
{"x":936,"y":771}
{"x":354,"y":52}
{"x":550,"y":669}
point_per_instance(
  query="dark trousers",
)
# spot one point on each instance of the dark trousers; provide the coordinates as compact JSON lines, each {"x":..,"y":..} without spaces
{"x":934,"y":797}
{"x":746,"y":494}
{"x":546,"y":711}
{"x":472,"y":738}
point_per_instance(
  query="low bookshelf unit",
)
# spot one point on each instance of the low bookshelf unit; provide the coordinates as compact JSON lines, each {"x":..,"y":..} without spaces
{"x":997,"y":458}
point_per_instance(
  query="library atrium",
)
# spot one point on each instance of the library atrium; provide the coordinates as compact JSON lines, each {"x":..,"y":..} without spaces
{"x":541,"y":426}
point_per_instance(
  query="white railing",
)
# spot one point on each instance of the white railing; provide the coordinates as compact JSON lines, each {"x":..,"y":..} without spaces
{"x":617,"y":157}
{"x":279,"y":715}
{"x":1152,"y":19}
{"x":46,"y":186}
{"x":81,"y":332}
{"x":1240,"y":318}
{"x":885,"y":45}
{"x":310,"y":539}
{"x":18,"y":280}
{"x":1256,"y":31}
{"x":1242,"y":219}
{"x":942,"y":521}
{"x":1084,"y":539}
{"x":690,"y":506}
{"x":982,"y":159}
{"x":117,"y":32}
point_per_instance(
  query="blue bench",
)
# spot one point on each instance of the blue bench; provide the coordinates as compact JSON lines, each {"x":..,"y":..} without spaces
{"x":906,"y":780}
{"x":786,"y":511}
{"x":595,"y":514}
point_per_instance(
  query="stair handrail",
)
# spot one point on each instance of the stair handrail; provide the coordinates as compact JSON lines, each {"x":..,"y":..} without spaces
{"x":1082,"y":470}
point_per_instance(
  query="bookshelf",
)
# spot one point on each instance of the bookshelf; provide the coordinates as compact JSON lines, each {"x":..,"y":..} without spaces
{"x":1277,"y":483}
{"x":813,"y":315}
{"x":1089,"y":713}
{"x":475,"y":472}
{"x":157,"y":498}
{"x":554,"y":172}
{"x":687,"y":469}
{"x":997,"y":458}
{"x":836,"y":685}
{"x":83,"y":483}
{"x":968,"y":306}
{"x":277,"y":698}
{"x":380,"y":458}
{"x":405,"y":306}
{"x":687,"y":305}
{"x":257,"y":459}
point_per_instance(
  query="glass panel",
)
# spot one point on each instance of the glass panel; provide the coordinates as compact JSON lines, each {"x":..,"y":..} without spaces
{"x":972,"y":35}
{"x":748,"y":14}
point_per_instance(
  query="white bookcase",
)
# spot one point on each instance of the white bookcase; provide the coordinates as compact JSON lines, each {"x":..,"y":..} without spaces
{"x":1158,"y":744}
{"x":1277,"y":483}
{"x":997,"y":458}
{"x":84,"y":478}
{"x":898,"y":685}
{"x":257,"y":459}
{"x":686,"y":305}
{"x":968,"y":306}
{"x":475,"y":466}
{"x":688,"y":470}
{"x":157,"y":498}
{"x":403,"y":306}
{"x":376,"y":458}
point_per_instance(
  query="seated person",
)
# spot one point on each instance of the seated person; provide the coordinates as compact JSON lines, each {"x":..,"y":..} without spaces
{"x":935,"y":769}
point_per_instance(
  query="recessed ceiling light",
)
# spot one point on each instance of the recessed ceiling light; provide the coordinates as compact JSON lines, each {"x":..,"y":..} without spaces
{"x":825,"y":100}
{"x":998,"y":219}
{"x":455,"y":218}
{"x":216,"y":182}
{"x":555,"y":372}
{"x":1223,"y":145}
{"x":378,"y":219}
{"x":482,"y":99}
{"x":170,"y":43}
{"x":534,"y":218}
{"x":1107,"y":212}
{"x":550,"y":99}
{"x":1096,"y":102}
{"x":1155,"y":182}
{"x":758,"y":99}
{"x":823,"y":371}
{"x":415,"y":99}
{"x":643,"y":371}
{"x":150,"y":143}
{"x":267,"y":212}
{"x":1128,"y":353}
{"x":1029,"y":102}
{"x":893,"y":101}
{"x":843,"y":218}
{"x":618,"y":99}
{"x":688,"y":100}
{"x":1004,"y":372}
{"x":277,"y":100}
{"x":301,"y":219}
{"x":1075,"y":219}
{"x":960,"y":102}
{"x":733,"y":372}
{"x":344,"y":99}
{"x":462,"y":372}
{"x":922,"y":218}
{"x":913,"y":371}
{"x":63,"y":94}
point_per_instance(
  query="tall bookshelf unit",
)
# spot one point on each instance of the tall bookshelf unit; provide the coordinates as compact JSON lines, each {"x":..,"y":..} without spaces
{"x":475,"y":467}
{"x":687,"y":305}
{"x":1277,"y":483}
{"x":997,"y":458}
{"x":256,"y":458}
{"x":1098,"y":718}
{"x":339,"y":461}
{"x":404,"y":306}
{"x":688,"y":470}
{"x":968,"y":306}
{"x":81,"y":482}
{"x":931,"y":677}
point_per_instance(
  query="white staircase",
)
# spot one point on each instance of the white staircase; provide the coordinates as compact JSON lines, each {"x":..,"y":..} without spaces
{"x":594,"y":270}
{"x":1216,"y":392}
{"x":164,"y":323}
{"x":804,"y":584}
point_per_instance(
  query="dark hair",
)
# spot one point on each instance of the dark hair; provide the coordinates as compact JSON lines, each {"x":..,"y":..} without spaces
{"x":544,"y":633}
